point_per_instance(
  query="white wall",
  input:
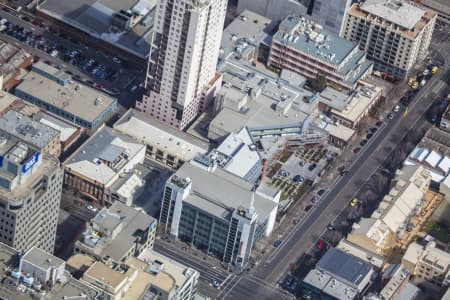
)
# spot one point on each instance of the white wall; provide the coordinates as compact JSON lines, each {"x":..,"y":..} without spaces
{"x":273,"y":9}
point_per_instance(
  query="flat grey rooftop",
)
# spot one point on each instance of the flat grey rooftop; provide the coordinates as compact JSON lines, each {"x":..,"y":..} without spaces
{"x":68,"y":287}
{"x":132,"y":219}
{"x":79,"y":100}
{"x":398,"y":12}
{"x":276,"y":103}
{"x":297,"y":32}
{"x":104,"y":145}
{"x":220,"y":193}
{"x":47,"y":165}
{"x":345,"y":267}
{"x":26,"y":129}
{"x":247,"y":29}
{"x":333,"y":98}
{"x":95,"y":18}
{"x":42,"y":259}
{"x":153,"y":132}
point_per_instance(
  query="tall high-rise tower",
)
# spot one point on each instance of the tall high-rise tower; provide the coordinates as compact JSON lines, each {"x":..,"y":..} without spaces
{"x":181,"y":75}
{"x":30,"y":193}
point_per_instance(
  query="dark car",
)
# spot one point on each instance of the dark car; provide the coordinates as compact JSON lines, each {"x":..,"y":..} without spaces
{"x":356,"y":150}
{"x":434,"y":119}
{"x":373,"y":129}
{"x":298,"y":179}
{"x":321,"y":192}
{"x":331,"y":227}
{"x":277,"y":243}
{"x":312,"y":166}
{"x":307,"y":208}
{"x":363,"y":142}
{"x":379,"y":123}
{"x":369,"y":135}
{"x":345,"y":172}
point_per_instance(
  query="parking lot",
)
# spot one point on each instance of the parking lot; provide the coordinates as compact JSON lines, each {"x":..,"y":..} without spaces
{"x":296,"y":170}
{"x":109,"y":74}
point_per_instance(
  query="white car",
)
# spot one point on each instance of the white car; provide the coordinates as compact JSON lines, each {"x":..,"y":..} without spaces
{"x":91,"y":208}
{"x":54,"y":53}
{"x":396,"y":108}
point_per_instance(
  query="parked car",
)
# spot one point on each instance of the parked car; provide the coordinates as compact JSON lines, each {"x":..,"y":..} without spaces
{"x":277,"y":243}
{"x":396,"y":108}
{"x":321,"y":244}
{"x":283,"y":173}
{"x":312,"y":166}
{"x":331,"y":226}
{"x":354,"y":202}
{"x":298,"y":179}
{"x":91,"y":208}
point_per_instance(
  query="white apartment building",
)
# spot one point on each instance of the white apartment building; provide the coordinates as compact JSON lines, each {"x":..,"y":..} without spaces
{"x":181,"y":74}
{"x":428,"y":263}
{"x":304,"y":47}
{"x":217,"y":212}
{"x":30,"y":193}
{"x":395,"y":34}
{"x":392,"y":218}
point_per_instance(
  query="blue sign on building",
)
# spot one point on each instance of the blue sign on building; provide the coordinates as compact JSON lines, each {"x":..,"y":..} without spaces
{"x":30,"y":162}
{"x":1,"y":161}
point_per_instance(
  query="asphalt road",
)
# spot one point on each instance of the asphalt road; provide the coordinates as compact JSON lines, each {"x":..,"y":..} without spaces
{"x":250,"y":287}
{"x":208,"y":273}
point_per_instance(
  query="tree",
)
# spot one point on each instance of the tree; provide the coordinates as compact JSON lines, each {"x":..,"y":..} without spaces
{"x":319,"y":83}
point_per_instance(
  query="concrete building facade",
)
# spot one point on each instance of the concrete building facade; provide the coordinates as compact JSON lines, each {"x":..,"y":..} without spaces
{"x":150,"y":276}
{"x":428,"y":263}
{"x":164,"y":144}
{"x":183,"y":59}
{"x":276,"y":9}
{"x":30,"y":193}
{"x":394,"y":34}
{"x":36,"y":274}
{"x":330,"y":13}
{"x":217,"y":212}
{"x":100,"y":161}
{"x":56,"y":92}
{"x":304,"y":47}
{"x":41,"y":136}
{"x":338,"y":275}
{"x":117,"y":233}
